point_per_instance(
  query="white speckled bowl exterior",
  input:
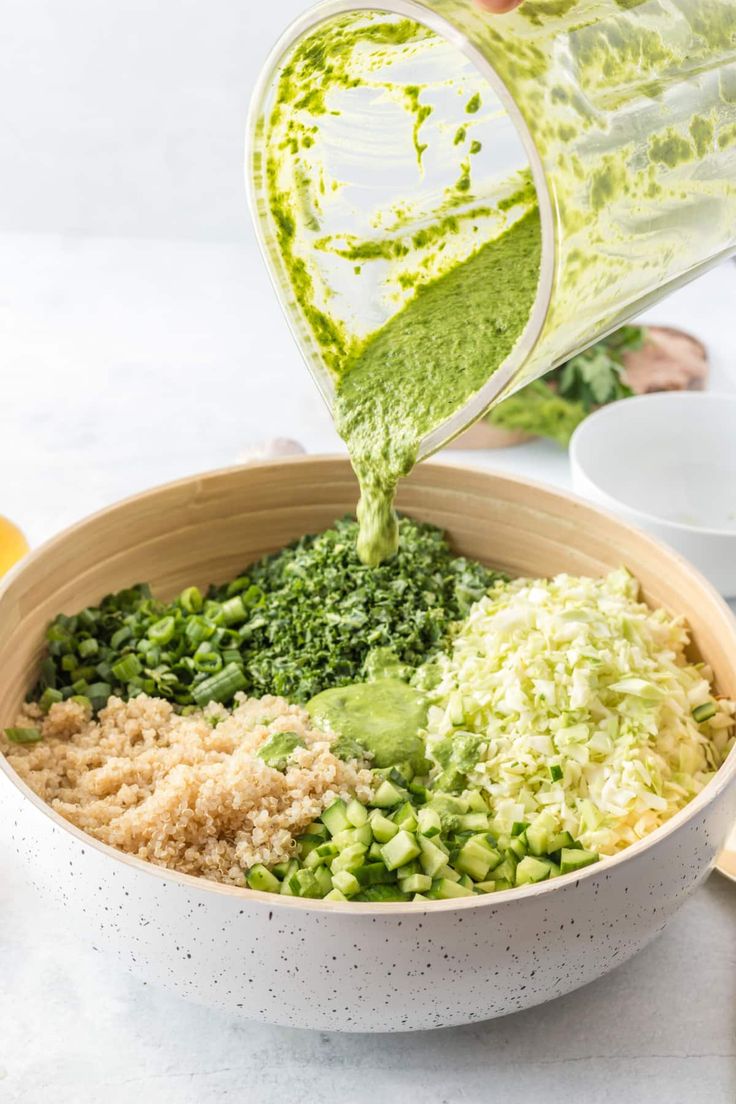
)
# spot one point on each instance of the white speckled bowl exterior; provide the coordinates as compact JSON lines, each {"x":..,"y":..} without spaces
{"x":327,"y":965}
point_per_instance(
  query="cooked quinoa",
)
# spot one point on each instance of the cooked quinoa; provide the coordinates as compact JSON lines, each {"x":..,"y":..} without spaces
{"x":185,"y":792}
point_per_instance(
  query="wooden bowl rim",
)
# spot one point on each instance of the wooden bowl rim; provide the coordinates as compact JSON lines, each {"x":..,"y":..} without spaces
{"x":725,"y":775}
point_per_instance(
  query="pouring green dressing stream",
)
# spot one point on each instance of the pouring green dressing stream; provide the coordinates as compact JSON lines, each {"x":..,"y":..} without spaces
{"x":463,"y":271}
{"x":424,"y":364}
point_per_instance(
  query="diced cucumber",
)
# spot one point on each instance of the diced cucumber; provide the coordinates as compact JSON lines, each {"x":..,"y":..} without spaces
{"x":400,"y":850}
{"x":380,"y":893}
{"x":347,"y":883}
{"x":506,"y":870}
{"x":261,"y":878}
{"x":349,"y":859}
{"x":326,"y":850}
{"x":342,"y":839}
{"x":335,"y":818}
{"x":432,"y":858}
{"x":572,"y":859}
{"x":314,"y":859}
{"x":531,"y":870}
{"x":413,"y":867}
{"x":324,"y":879}
{"x":443,"y":889}
{"x":317,"y":828}
{"x":356,"y":813}
{"x":335,"y":895}
{"x":279,"y":869}
{"x":539,"y":832}
{"x":383,"y":829}
{"x":429,"y":822}
{"x":402,"y":774}
{"x":476,"y":801}
{"x":405,"y":817}
{"x":473,"y":822}
{"x":387,"y":795}
{"x":518,"y":827}
{"x":417,"y":883}
{"x":555,"y":772}
{"x":374,"y":852}
{"x":518,"y":847}
{"x":376,"y":873}
{"x":446,"y":805}
{"x":476,"y":858}
{"x":558,"y":841}
{"x":449,"y":873}
{"x":305,"y":884}
{"x":286,"y":883}
{"x":486,"y":887}
{"x":501,"y":884}
{"x":308,"y":843}
{"x":349,"y":836}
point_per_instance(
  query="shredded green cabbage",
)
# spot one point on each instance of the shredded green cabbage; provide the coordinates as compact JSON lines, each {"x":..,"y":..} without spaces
{"x":584,"y":699}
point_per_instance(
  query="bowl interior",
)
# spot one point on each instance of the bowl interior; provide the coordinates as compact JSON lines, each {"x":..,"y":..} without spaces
{"x":680,"y":457}
{"x":208,"y":528}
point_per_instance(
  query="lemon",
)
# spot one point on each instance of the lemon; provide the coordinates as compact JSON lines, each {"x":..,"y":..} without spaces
{"x":13,"y":545}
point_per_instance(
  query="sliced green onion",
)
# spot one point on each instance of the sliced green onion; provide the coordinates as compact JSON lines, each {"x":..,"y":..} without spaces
{"x":238,"y":585}
{"x":705,"y":711}
{"x":191,"y":599}
{"x":98,"y":693}
{"x":220,"y":687}
{"x":233,"y":610}
{"x":127,"y":668}
{"x":208,"y":661}
{"x":122,"y":636}
{"x":23,"y":735}
{"x":198,"y":629}
{"x":49,"y":698}
{"x":162,"y":631}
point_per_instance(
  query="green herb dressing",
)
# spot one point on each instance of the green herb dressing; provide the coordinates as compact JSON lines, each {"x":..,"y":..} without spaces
{"x":385,"y":718}
{"x":425,"y":364}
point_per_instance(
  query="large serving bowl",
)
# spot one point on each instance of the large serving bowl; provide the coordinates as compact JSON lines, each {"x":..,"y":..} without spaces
{"x":353,"y":967}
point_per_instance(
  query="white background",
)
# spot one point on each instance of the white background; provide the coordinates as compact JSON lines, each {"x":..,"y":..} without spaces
{"x":126,"y":117}
{"x":139,"y":341}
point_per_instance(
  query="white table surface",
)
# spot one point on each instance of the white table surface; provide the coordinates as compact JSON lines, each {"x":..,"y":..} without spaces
{"x":127,"y":363}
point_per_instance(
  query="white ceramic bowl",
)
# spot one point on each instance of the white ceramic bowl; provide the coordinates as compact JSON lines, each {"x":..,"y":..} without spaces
{"x":326,"y":965}
{"x":667,"y":463}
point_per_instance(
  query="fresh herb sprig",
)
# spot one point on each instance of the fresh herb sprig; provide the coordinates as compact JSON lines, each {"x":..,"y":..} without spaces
{"x":555,"y":405}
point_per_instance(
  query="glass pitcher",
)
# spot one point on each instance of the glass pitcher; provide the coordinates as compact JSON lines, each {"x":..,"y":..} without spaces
{"x":419,"y":130}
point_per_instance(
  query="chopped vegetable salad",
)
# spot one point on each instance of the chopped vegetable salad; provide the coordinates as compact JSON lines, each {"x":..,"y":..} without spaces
{"x":423,"y":730}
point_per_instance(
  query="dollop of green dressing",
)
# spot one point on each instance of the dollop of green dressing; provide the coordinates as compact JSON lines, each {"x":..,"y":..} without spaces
{"x":385,"y":718}
{"x":457,"y":755}
{"x":277,"y":749}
